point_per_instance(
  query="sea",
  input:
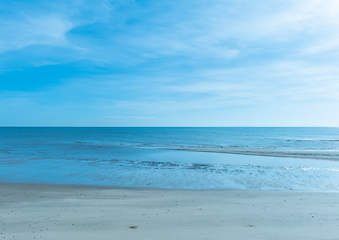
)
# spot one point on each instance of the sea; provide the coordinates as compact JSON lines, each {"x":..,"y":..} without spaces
{"x":249,"y":158}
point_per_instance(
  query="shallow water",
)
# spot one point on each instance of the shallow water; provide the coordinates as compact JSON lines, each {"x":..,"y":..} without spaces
{"x":142,"y":157}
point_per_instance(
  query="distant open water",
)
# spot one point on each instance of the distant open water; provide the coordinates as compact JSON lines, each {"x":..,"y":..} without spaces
{"x":181,"y":158}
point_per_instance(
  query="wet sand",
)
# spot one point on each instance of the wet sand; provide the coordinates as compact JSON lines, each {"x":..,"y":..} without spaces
{"x":38,"y":211}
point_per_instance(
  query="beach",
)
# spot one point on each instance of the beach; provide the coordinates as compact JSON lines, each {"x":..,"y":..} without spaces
{"x":40,"y":211}
{"x":169,"y":120}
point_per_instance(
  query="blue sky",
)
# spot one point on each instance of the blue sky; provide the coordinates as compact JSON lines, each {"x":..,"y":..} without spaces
{"x":169,"y":63}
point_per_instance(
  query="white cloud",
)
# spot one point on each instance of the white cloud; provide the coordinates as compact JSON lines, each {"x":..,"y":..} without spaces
{"x":308,"y":24}
{"x":48,"y":24}
{"x":213,"y":87}
{"x":131,"y":117}
{"x":48,"y":30}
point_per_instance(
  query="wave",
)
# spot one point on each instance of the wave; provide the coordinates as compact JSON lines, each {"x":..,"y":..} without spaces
{"x":218,"y":176}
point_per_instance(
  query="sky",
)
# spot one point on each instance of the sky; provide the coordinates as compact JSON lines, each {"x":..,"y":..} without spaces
{"x":169,"y":63}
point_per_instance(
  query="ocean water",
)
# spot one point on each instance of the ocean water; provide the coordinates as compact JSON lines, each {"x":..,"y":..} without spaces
{"x":176,"y":158}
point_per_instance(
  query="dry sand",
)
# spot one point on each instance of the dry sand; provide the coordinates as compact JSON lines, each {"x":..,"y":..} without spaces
{"x":77,"y":212}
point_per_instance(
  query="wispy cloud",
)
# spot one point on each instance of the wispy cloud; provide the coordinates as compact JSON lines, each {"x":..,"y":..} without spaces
{"x":26,"y":24}
{"x":134,"y":60}
{"x":49,"y":30}
{"x":131,"y":117}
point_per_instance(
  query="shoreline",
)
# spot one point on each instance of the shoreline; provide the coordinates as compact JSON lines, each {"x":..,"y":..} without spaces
{"x":56,"y":211}
{"x":112,"y":187}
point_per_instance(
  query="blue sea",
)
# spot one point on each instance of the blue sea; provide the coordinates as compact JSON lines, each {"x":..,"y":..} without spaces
{"x":173,"y":158}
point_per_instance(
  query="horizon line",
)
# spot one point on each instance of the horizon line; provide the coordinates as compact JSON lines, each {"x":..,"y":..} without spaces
{"x":175,"y":126}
